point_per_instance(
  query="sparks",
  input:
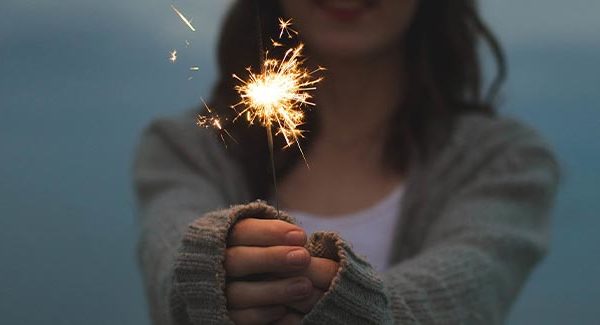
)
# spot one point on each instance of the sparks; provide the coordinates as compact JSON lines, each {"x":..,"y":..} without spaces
{"x":275,"y":43}
{"x":212,"y":120}
{"x":194,"y":68}
{"x":183,"y":18}
{"x":275,"y":97}
{"x":173,"y":56}
{"x":284,"y":26}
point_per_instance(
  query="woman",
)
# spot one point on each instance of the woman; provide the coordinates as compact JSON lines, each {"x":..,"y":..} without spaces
{"x":448,"y":202}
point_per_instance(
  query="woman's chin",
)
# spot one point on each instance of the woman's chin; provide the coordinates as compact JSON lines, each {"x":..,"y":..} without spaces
{"x":343,"y":49}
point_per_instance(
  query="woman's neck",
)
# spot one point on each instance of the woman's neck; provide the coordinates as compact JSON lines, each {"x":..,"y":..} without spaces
{"x":356,"y":99}
{"x":347,"y":172}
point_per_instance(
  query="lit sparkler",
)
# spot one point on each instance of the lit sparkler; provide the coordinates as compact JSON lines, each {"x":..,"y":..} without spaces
{"x":188,"y":22}
{"x":276,"y":96}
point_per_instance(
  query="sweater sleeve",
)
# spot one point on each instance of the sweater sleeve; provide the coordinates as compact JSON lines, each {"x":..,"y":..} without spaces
{"x":178,"y":177}
{"x":475,"y":257}
{"x":198,"y":293}
{"x":483,"y":242}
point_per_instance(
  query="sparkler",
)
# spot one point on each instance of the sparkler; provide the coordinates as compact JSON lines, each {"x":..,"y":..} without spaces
{"x":277,"y":95}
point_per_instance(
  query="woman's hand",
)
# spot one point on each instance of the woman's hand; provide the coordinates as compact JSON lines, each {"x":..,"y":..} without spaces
{"x":273,"y":248}
{"x":258,"y":247}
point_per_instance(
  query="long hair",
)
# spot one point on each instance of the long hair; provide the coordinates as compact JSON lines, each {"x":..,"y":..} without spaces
{"x":444,"y":80}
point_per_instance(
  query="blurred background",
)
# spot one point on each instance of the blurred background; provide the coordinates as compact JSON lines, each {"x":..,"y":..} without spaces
{"x":80,"y":79}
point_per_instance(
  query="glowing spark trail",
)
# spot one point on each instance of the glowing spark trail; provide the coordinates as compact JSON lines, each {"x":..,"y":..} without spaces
{"x":173,"y":56}
{"x":275,"y":97}
{"x":194,"y":68}
{"x":284,"y":25}
{"x":275,"y":43}
{"x":183,"y":18}
{"x":212,"y":121}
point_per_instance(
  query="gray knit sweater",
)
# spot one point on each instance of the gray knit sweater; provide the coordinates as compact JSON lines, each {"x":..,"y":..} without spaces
{"x":474,"y":224}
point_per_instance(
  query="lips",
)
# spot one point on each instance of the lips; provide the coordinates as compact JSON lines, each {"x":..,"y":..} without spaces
{"x":346,"y":4}
{"x":346,"y":10}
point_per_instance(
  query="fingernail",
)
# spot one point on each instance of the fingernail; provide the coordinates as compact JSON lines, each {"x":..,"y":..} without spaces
{"x":298,"y":257}
{"x":295,"y":237}
{"x":299,"y":288}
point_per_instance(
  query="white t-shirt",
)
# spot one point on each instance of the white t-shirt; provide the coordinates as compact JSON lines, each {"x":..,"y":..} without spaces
{"x":369,"y":231}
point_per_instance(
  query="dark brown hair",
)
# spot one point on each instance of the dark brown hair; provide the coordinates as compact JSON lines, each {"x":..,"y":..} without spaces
{"x":444,"y":74}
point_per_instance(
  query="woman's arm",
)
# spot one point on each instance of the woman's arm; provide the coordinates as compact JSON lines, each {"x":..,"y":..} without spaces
{"x":484,"y":242}
{"x":478,"y":252}
{"x":180,"y":173}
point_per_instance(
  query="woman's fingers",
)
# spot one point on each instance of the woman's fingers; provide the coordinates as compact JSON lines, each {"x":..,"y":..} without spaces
{"x":243,"y":294}
{"x":321,"y":272}
{"x":290,"y":318}
{"x":257,"y":316}
{"x":305,"y":305}
{"x":243,"y":260}
{"x":260,"y":232}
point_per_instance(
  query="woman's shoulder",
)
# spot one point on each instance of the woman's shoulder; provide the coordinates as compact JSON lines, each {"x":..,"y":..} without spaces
{"x":507,"y":143}
{"x":494,"y":132}
{"x":182,"y":132}
{"x":178,"y":139}
{"x":182,"y":123}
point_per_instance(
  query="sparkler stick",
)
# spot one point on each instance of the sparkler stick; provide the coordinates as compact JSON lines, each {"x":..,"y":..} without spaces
{"x":262,"y":53}
{"x":273,"y":172}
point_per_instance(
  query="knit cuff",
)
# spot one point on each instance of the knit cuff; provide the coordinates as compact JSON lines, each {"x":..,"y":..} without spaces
{"x":198,"y":293}
{"x":356,"y":294}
